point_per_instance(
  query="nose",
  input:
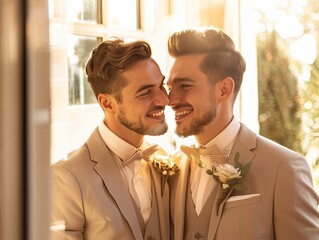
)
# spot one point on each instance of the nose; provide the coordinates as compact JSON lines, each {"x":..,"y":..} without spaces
{"x":172,"y":97}
{"x":162,"y":98}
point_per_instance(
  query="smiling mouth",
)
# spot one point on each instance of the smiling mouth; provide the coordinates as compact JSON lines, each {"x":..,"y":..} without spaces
{"x":180,"y":115}
{"x":156,"y":115}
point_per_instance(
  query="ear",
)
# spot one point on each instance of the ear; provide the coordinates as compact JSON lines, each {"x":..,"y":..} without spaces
{"x":227,"y":87}
{"x":106,"y":102}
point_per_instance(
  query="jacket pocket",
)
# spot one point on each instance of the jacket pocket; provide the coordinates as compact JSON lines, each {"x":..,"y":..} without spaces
{"x":242,"y":200}
{"x":243,"y":215}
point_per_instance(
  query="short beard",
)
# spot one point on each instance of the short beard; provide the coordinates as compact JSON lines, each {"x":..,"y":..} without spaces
{"x":140,"y":128}
{"x":197,"y":126}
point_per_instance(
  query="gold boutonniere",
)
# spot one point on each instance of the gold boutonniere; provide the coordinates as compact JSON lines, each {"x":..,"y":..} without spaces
{"x":228,"y":176}
{"x":165,"y":166}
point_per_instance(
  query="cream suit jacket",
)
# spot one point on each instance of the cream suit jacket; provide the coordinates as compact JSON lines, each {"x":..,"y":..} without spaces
{"x":278,"y":202}
{"x":90,"y":199}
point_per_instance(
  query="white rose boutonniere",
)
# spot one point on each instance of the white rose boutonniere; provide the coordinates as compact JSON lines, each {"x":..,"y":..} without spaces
{"x":229,"y":176}
{"x":226,"y":174}
{"x":166,"y":166}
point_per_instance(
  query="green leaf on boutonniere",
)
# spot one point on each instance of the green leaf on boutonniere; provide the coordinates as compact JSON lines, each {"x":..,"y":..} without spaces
{"x":240,"y":186}
{"x":209,"y":172}
{"x":243,"y":168}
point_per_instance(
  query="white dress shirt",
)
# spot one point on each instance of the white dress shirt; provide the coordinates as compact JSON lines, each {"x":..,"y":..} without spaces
{"x":136,"y":175}
{"x":203,"y":184}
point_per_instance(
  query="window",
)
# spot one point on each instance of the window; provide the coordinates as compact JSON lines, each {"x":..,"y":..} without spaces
{"x":82,"y":11}
{"x":127,"y":17}
{"x":76,"y":27}
{"x":79,"y":49}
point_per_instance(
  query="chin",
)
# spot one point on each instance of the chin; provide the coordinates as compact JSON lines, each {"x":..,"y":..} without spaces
{"x":187,"y":131}
{"x":157,"y":130}
{"x":182,"y":132}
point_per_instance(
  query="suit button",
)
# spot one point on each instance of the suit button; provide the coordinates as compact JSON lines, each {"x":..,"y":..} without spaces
{"x":198,"y":236}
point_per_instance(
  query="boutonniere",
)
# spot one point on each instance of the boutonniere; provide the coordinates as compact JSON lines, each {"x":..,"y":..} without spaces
{"x":166,"y":166}
{"x":227,"y":176}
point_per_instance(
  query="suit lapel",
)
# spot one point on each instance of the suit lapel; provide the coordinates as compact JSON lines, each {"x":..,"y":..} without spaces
{"x":162,"y":203}
{"x":217,"y":212}
{"x":245,"y":142}
{"x":109,"y":171}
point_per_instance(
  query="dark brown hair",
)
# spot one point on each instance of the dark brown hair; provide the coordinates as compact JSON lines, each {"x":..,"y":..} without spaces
{"x":221,"y":60}
{"x":109,"y":60}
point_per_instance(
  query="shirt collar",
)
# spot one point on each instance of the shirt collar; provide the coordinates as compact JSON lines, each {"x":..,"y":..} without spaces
{"x":117,"y":145}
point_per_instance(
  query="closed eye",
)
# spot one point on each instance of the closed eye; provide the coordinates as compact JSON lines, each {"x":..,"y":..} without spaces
{"x":185,"y":86}
{"x":181,"y":83}
{"x":145,"y":93}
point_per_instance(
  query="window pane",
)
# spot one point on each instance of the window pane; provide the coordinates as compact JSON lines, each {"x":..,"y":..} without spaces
{"x":123,"y":14}
{"x":79,"y":50}
{"x":82,"y":11}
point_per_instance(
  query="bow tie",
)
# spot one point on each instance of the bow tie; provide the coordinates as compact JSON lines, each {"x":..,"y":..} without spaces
{"x":139,"y":154}
{"x":213,"y":152}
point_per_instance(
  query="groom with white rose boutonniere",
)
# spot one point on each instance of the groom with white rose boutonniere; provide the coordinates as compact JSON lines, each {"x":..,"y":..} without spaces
{"x":232,"y":183}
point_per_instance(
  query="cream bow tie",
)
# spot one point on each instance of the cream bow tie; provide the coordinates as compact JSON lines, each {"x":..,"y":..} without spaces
{"x":139,"y":154}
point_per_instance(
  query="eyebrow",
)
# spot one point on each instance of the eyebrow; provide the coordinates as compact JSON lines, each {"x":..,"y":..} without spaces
{"x":144,"y":87}
{"x":179,"y":80}
{"x":148,"y":86}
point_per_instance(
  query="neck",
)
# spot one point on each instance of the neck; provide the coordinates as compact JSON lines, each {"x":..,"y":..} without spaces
{"x":213,"y":129}
{"x":133,"y":138}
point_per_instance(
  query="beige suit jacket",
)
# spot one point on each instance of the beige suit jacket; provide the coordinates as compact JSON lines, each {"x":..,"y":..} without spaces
{"x":279,"y":201}
{"x":90,"y":199}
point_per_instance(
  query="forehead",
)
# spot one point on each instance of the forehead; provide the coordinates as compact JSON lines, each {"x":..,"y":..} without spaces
{"x":143,"y":72}
{"x":186,"y":67}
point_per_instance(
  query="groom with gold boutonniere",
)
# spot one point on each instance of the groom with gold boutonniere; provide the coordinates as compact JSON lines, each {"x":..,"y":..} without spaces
{"x":232,"y":183}
{"x":108,"y":188}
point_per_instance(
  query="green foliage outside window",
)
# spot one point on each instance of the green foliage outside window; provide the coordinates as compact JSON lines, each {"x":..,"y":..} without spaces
{"x":311,"y":113}
{"x":279,"y":97}
{"x":289,"y":86}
